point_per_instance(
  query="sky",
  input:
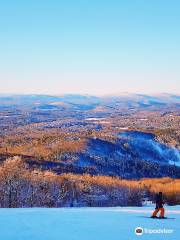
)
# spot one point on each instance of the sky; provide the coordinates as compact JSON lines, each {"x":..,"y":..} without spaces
{"x":89,"y":46}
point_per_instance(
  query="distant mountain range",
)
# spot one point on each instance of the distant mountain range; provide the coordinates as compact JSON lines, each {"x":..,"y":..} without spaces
{"x":86,"y":102}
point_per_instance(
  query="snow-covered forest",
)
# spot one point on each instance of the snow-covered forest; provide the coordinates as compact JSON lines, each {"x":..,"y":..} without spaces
{"x":22,"y":187}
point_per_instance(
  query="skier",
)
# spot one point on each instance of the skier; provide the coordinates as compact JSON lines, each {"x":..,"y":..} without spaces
{"x":159,"y":206}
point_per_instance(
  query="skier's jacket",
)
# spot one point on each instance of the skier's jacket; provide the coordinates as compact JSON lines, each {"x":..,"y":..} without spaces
{"x":159,"y":201}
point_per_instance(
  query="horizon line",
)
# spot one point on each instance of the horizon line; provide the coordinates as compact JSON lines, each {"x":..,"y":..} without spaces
{"x":89,"y":94}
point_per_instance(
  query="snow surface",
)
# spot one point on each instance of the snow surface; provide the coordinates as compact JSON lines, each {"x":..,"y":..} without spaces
{"x":85,"y":223}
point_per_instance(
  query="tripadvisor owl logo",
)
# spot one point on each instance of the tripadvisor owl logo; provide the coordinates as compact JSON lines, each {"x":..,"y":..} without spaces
{"x":138,"y":231}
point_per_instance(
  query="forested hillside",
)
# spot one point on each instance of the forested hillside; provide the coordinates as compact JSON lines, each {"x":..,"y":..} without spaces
{"x":88,"y":151}
{"x":21,"y":187}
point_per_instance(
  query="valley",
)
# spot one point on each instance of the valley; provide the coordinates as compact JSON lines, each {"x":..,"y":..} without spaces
{"x":131,"y":137}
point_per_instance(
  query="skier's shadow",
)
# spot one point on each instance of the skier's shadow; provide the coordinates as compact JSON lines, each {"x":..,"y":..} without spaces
{"x":166,"y":218}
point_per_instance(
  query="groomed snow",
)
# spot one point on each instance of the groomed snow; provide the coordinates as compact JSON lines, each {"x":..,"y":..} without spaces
{"x":85,"y":223}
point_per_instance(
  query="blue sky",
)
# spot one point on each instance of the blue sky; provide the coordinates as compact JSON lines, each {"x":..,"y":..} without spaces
{"x":89,"y":46}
